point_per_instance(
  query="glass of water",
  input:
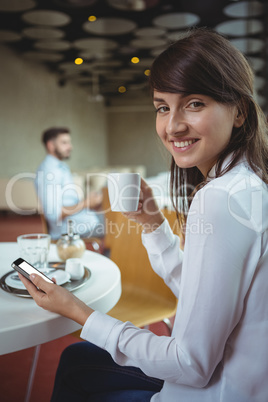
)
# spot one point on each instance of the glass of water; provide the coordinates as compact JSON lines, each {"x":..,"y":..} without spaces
{"x":34,"y":248}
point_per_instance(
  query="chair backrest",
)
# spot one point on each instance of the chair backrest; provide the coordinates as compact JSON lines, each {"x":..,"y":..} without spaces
{"x":129,"y":254}
{"x":110,"y":219}
{"x":45,"y":226}
{"x":44,"y":223}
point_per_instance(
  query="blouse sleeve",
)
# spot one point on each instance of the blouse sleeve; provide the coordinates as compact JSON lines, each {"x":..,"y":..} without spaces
{"x":220,"y":257}
{"x":165,"y":255}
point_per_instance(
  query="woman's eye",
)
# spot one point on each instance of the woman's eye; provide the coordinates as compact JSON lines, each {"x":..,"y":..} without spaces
{"x":196,"y":104}
{"x":162,"y":109}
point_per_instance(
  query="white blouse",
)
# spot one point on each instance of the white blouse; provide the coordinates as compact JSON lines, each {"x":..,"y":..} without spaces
{"x":218,"y":351}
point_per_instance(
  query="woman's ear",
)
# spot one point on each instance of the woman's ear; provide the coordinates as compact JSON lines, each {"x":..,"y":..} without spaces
{"x":239,"y":118}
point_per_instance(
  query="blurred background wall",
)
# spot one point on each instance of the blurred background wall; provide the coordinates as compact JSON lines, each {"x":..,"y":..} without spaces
{"x":31,"y":100}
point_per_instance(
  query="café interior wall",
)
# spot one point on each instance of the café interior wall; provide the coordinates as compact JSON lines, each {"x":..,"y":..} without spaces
{"x":132,"y":138}
{"x":31,"y":101}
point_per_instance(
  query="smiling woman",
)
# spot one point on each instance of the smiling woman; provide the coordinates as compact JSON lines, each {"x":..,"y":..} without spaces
{"x":210,"y":87}
{"x":195,"y":129}
{"x":216,"y":134}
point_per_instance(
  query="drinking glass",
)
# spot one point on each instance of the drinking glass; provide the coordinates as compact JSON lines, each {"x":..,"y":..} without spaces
{"x":34,"y":249}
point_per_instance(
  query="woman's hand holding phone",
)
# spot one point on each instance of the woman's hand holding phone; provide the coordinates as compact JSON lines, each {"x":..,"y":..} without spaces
{"x":56,"y":299}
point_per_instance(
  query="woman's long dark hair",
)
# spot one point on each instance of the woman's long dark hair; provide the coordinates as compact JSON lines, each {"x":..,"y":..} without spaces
{"x":204,"y":62}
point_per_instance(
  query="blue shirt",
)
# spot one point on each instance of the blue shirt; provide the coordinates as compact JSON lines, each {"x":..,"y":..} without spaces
{"x":56,"y":189}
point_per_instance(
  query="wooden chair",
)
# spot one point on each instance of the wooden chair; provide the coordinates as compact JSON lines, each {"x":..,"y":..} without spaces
{"x":110,"y":220}
{"x":145,"y":297}
{"x":45,"y":225}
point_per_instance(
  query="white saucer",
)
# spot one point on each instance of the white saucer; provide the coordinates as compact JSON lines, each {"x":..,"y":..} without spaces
{"x":60,"y":276}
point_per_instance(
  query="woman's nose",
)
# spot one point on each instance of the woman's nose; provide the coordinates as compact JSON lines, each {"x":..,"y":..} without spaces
{"x":176,"y":124}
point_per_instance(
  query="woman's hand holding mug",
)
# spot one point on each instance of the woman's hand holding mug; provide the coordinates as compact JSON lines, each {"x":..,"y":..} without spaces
{"x":131,"y":195}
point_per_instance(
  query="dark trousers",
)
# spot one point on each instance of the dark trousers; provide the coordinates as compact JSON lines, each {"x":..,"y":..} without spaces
{"x":88,"y":373}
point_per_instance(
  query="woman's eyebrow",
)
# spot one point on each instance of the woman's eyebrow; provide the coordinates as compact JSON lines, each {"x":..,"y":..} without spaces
{"x":182,"y":95}
{"x":158,"y":100}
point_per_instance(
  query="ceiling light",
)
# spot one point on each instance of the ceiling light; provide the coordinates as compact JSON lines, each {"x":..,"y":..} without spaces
{"x":135,"y":60}
{"x":92,"y":18}
{"x":122,"y":89}
{"x":78,"y":60}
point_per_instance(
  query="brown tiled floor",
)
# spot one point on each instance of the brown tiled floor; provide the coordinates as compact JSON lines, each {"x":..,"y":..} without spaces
{"x":15,"y":367}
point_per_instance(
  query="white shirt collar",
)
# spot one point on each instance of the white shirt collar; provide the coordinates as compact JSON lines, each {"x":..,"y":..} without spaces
{"x":212,"y":173}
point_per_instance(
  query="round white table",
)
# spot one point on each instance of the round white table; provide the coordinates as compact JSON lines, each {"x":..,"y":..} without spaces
{"x":23,"y":324}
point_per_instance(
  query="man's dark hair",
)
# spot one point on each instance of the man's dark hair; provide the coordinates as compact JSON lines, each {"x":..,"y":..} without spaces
{"x":53,"y":133}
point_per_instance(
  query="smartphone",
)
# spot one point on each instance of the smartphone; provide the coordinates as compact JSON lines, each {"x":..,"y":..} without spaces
{"x":26,"y":269}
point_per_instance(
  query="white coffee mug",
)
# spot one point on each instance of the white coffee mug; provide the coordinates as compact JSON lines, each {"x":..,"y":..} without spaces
{"x":124,"y":191}
{"x":75,"y":267}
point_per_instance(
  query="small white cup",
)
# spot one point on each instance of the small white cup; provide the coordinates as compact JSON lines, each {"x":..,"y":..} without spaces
{"x":124,"y":191}
{"x":75,"y":268}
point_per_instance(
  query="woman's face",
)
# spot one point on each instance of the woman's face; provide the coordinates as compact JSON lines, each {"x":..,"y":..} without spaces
{"x":195,"y":129}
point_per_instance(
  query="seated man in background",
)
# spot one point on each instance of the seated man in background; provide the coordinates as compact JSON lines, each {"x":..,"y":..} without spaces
{"x":59,"y":195}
